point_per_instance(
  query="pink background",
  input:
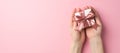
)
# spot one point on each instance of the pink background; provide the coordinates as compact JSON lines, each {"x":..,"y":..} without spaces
{"x":42,"y":26}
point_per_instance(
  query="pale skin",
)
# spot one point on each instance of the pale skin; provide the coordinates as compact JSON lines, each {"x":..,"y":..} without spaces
{"x":94,"y":36}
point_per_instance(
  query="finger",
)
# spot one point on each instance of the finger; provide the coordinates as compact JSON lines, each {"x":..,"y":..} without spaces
{"x":79,"y":9}
{"x":75,"y":25}
{"x":86,"y":7}
{"x":97,"y":16}
{"x":75,"y":10}
{"x":72,"y":18}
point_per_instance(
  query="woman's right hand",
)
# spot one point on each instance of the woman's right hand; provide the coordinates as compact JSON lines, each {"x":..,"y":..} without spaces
{"x":92,"y":32}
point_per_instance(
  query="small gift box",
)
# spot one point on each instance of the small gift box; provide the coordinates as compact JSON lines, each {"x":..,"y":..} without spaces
{"x":85,"y":19}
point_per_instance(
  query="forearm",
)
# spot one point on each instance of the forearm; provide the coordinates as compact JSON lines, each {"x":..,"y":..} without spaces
{"x":76,"y":47}
{"x":96,"y":44}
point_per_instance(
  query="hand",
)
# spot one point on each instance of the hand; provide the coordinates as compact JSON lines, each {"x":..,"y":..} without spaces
{"x":91,"y":32}
{"x":77,"y":36}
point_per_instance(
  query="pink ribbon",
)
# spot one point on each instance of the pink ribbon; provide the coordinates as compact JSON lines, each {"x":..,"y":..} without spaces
{"x":85,"y":19}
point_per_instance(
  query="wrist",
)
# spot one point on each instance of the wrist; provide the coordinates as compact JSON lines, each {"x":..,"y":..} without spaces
{"x":78,"y":43}
{"x":76,"y":47}
{"x":96,"y":44}
{"x":96,"y":41}
{"x":95,"y":38}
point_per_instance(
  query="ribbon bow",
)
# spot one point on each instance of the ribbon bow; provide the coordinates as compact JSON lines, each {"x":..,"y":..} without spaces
{"x":85,"y":19}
